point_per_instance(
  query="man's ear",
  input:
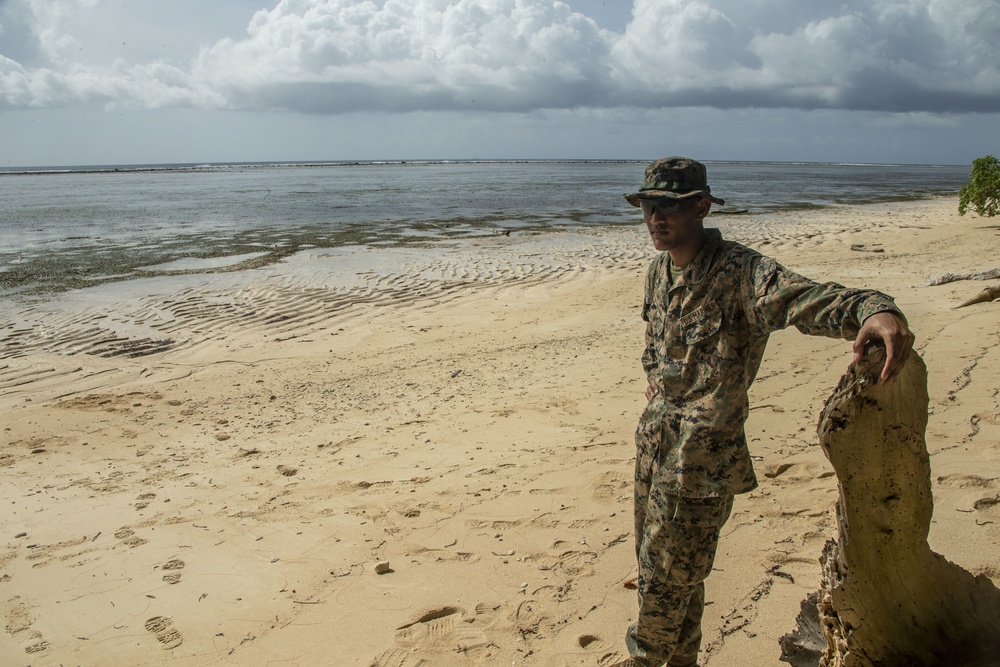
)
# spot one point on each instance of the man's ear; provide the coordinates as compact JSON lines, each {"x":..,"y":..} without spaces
{"x":703,"y":206}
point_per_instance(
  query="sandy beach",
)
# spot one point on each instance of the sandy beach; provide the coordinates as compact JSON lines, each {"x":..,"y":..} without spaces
{"x":429,"y":462}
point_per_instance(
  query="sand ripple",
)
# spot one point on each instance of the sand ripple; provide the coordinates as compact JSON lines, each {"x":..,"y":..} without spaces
{"x":318,"y":289}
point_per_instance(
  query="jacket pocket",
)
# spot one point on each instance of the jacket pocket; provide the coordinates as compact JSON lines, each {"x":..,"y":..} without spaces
{"x":707,"y":512}
{"x":702,"y":324}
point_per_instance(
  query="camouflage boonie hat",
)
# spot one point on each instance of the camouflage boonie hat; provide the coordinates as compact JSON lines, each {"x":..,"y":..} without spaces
{"x":674,"y":178}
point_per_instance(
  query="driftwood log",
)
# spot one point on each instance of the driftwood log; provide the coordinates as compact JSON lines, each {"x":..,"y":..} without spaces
{"x":985,"y":274}
{"x":987,"y":295}
{"x":887,"y":600}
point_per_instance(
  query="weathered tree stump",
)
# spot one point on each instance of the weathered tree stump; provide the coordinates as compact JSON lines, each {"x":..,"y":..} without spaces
{"x":887,"y":600}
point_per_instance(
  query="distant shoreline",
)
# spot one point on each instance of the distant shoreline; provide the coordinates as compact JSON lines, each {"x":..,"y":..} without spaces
{"x":221,"y":166}
{"x":186,"y":167}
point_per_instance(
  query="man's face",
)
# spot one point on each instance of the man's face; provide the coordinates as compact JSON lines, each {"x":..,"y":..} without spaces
{"x":674,"y":223}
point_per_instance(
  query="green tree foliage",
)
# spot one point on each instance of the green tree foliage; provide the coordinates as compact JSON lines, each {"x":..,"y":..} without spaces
{"x":982,"y":192}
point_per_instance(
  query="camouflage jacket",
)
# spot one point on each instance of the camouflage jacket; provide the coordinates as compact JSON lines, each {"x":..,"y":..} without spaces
{"x":705,"y":337}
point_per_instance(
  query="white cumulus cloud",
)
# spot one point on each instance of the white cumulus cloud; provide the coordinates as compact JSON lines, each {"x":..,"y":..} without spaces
{"x":340,"y":56}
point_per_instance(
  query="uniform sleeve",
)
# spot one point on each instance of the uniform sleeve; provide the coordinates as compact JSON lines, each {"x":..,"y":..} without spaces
{"x":778,"y":298}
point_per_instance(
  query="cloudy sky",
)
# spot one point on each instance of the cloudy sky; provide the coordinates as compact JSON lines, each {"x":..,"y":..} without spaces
{"x":151,"y":81}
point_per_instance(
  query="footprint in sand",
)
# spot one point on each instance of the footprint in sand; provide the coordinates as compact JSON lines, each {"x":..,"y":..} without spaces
{"x":18,"y":616}
{"x":129,"y":538}
{"x":595,"y":645}
{"x":19,"y":621}
{"x":612,"y":658}
{"x":967,"y":481}
{"x":433,"y":634}
{"x":612,"y":486}
{"x":174,"y":576}
{"x":432,"y":623}
{"x":144,"y":500}
{"x":163,"y":628}
{"x":986,"y":502}
{"x":38,"y":646}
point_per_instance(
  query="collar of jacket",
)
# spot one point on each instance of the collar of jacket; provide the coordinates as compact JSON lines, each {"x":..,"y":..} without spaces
{"x":699,"y":267}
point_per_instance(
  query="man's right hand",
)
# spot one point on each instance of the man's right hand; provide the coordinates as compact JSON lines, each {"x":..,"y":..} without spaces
{"x":891,"y":329}
{"x":651,"y":391}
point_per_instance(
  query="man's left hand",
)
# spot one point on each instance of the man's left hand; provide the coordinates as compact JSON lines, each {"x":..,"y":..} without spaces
{"x":891,"y":329}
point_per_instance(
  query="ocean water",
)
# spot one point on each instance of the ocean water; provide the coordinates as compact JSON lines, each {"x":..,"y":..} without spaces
{"x":63,"y":229}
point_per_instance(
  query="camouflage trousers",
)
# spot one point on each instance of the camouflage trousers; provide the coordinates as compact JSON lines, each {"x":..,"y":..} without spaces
{"x":676,"y":540}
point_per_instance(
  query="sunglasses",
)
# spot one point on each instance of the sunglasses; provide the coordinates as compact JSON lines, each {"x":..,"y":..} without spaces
{"x":664,"y":207}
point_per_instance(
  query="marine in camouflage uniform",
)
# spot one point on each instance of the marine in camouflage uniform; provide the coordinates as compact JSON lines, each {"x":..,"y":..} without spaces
{"x":707,"y":323}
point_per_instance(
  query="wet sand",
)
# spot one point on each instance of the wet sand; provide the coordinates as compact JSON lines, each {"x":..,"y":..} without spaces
{"x":209,"y":469}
